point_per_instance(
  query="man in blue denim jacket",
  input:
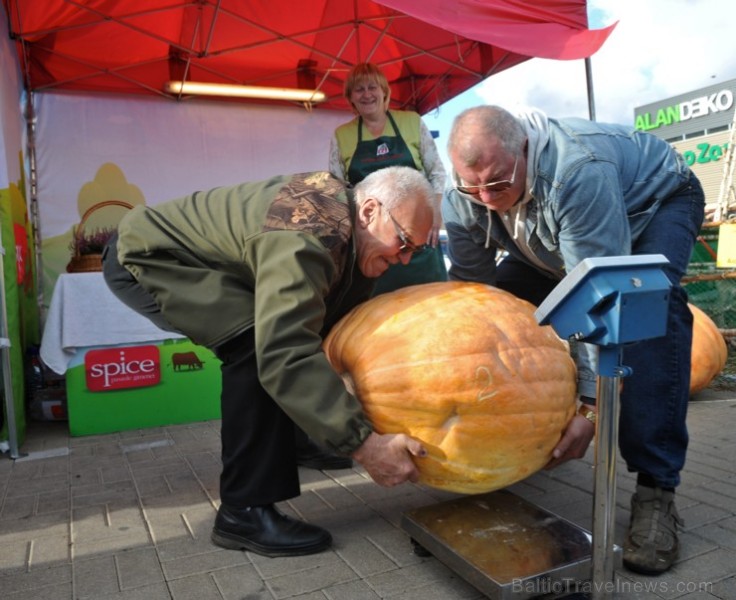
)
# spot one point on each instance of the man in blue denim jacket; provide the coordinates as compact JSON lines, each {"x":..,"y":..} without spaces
{"x":531,"y":197}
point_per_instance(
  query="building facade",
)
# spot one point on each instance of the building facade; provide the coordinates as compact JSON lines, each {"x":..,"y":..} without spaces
{"x":700,"y":124}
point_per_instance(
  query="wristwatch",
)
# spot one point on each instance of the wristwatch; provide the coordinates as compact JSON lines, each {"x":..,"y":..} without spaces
{"x":587,"y":412}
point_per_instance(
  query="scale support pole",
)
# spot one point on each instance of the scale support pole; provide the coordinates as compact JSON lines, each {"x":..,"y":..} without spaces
{"x":604,"y":484}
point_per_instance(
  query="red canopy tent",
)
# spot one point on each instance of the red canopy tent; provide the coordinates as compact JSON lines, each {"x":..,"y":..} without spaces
{"x":430,"y":50}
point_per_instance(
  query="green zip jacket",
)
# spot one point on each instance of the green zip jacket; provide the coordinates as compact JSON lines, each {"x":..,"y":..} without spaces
{"x":277,"y":255}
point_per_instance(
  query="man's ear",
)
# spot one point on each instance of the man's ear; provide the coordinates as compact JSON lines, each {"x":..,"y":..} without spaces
{"x":368,"y":211}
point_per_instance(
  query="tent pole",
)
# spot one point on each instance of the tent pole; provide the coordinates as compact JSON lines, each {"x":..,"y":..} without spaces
{"x":589,"y":82}
{"x":30,"y":117}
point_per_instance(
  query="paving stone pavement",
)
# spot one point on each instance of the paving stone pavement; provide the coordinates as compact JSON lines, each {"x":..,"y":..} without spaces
{"x":127,"y":516}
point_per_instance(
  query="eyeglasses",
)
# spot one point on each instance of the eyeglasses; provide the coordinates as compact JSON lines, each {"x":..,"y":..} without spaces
{"x":493,"y":186}
{"x":407,"y":245}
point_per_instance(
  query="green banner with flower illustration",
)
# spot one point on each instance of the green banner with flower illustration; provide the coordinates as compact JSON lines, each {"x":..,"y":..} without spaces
{"x":21,"y":314}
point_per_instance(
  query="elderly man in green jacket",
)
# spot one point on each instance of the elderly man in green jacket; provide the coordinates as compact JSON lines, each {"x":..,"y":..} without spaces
{"x":259,"y":272}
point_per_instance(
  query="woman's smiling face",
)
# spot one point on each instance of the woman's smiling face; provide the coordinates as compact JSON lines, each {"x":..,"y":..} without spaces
{"x":368,"y":98}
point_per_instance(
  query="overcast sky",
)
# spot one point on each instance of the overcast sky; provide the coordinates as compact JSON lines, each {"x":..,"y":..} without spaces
{"x":659,"y":49}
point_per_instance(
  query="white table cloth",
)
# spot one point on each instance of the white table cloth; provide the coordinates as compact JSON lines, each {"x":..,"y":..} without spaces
{"x":84,"y":313}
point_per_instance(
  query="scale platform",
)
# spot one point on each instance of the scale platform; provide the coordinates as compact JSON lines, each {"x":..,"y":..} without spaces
{"x":505,"y":546}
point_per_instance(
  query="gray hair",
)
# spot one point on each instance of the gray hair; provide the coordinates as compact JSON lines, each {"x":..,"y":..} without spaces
{"x":392,"y":186}
{"x":475,"y":124}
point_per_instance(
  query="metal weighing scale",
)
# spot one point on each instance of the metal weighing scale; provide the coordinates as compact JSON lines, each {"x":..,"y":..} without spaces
{"x":508,"y":547}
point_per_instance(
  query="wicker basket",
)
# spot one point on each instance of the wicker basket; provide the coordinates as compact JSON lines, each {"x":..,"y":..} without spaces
{"x":87,"y":263}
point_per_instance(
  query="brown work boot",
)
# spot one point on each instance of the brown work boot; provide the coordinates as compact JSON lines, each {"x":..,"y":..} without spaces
{"x":651,"y":545}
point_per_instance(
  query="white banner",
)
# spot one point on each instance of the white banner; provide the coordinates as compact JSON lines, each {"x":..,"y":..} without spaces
{"x":96,"y":155}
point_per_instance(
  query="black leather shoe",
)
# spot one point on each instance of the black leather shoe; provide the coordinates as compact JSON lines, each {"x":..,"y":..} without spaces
{"x":310,"y":455}
{"x":266,"y":531}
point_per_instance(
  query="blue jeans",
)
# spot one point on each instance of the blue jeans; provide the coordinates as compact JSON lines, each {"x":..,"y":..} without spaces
{"x":652,"y":429}
{"x":653,"y":434}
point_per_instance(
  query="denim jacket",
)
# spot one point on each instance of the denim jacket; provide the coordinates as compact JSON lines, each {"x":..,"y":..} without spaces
{"x":596,"y":188}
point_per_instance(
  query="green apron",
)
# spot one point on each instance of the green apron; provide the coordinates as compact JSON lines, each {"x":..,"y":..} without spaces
{"x":388,"y":151}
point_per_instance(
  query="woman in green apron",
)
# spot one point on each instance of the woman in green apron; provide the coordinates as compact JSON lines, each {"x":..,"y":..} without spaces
{"x":379,"y":138}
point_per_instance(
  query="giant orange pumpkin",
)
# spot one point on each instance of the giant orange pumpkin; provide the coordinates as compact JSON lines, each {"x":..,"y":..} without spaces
{"x":709,"y":351}
{"x":466,"y":369}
